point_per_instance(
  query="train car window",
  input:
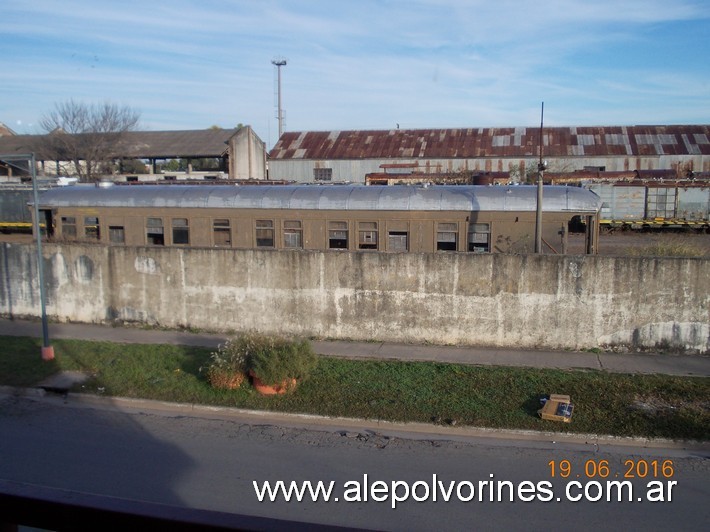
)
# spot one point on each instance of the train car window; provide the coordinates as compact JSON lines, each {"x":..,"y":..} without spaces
{"x":181,"y":231}
{"x":337,"y":235}
{"x":69,"y":226}
{"x":116,"y":234}
{"x":446,"y":237}
{"x":293,"y":234}
{"x":222,"y":232}
{"x":479,"y":237}
{"x":91,"y":227}
{"x":367,"y":235}
{"x":154,"y":232}
{"x":398,"y":241}
{"x":265,"y":233}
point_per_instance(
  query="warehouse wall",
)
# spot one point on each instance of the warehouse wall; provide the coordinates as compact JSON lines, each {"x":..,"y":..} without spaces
{"x":567,"y":302}
{"x":301,"y":170}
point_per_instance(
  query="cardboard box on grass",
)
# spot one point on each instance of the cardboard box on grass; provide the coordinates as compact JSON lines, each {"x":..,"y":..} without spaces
{"x":557,"y":408}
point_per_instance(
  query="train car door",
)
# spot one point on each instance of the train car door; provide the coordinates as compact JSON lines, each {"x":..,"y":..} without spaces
{"x":46,"y":217}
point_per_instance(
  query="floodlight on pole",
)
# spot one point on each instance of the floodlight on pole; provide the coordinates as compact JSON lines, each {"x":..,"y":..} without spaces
{"x":47,"y":349}
{"x":278,"y":63}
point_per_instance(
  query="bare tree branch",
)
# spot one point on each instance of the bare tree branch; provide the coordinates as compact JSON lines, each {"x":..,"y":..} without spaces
{"x":86,"y":135}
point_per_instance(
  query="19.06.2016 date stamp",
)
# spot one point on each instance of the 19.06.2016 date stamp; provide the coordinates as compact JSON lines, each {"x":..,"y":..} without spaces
{"x":630,"y":469}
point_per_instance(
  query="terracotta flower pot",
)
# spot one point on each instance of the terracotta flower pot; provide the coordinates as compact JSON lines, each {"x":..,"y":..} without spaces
{"x":276,"y":389}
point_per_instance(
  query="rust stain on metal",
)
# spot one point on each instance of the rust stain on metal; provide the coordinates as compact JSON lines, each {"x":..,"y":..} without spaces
{"x":510,"y":142}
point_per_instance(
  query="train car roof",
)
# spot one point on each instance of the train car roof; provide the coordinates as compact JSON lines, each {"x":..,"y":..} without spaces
{"x":327,"y":197}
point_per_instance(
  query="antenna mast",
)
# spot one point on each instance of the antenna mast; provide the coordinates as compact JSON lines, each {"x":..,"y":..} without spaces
{"x":278,"y":63}
{"x":538,"y":210}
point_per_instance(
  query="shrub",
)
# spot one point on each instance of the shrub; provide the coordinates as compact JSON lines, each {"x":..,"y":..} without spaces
{"x":228,"y":365}
{"x":274,"y":359}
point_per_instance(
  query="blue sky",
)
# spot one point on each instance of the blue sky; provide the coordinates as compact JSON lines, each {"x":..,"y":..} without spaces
{"x":366,"y":64}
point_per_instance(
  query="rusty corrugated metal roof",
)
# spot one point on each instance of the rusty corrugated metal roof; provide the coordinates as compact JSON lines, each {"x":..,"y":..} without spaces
{"x":494,"y":142}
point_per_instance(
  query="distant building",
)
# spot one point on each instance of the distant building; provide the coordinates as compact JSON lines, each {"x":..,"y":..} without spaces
{"x":239,"y":153}
{"x":348,"y":156}
{"x":6,"y":131}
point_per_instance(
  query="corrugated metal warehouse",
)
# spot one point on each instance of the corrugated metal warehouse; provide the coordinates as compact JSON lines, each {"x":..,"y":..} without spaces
{"x":350,"y":155}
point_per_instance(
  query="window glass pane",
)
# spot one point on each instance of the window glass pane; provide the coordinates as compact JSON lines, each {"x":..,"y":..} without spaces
{"x":479,"y":228}
{"x":479,"y":237}
{"x":265,"y":238}
{"x":447,"y":237}
{"x":69,"y":226}
{"x":116,"y":234}
{"x":264,"y":233}
{"x":91,"y":227}
{"x":222,"y":232}
{"x":154,"y":232}
{"x":292,"y":240}
{"x":398,"y":241}
{"x":293,"y":236}
{"x":337,"y":235}
{"x":181,"y":232}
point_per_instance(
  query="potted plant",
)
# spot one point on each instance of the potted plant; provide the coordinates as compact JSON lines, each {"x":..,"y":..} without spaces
{"x":228,"y":365}
{"x":276,"y":363}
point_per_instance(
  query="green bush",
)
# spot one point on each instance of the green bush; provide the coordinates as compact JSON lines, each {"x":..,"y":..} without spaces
{"x":274,"y":359}
{"x":228,"y":365}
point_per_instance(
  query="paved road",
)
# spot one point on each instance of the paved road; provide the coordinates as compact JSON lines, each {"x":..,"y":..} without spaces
{"x":212,"y":462}
{"x":626,"y":363}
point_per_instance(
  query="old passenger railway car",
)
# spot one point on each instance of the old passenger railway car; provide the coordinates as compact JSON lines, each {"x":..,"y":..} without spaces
{"x":312,"y":217}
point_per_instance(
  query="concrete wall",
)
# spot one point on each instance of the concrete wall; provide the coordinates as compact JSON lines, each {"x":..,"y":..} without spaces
{"x":572,"y":302}
{"x":247,"y":155}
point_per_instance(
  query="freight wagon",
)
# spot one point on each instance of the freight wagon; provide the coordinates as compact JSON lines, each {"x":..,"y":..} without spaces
{"x":644,"y":205}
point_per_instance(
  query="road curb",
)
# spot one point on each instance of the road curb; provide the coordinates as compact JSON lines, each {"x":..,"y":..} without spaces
{"x":350,"y":427}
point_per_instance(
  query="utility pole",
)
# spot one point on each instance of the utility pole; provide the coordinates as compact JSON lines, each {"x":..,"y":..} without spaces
{"x":47,"y":348}
{"x":538,"y":210}
{"x":279,"y":62}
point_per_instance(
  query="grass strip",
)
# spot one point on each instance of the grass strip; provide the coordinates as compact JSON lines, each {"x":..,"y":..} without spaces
{"x":496,"y":397}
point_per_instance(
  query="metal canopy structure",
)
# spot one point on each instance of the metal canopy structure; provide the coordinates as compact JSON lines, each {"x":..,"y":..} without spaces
{"x":203,"y":143}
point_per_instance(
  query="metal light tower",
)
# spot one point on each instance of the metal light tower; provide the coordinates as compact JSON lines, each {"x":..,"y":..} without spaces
{"x":538,"y":210}
{"x":279,"y":62}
